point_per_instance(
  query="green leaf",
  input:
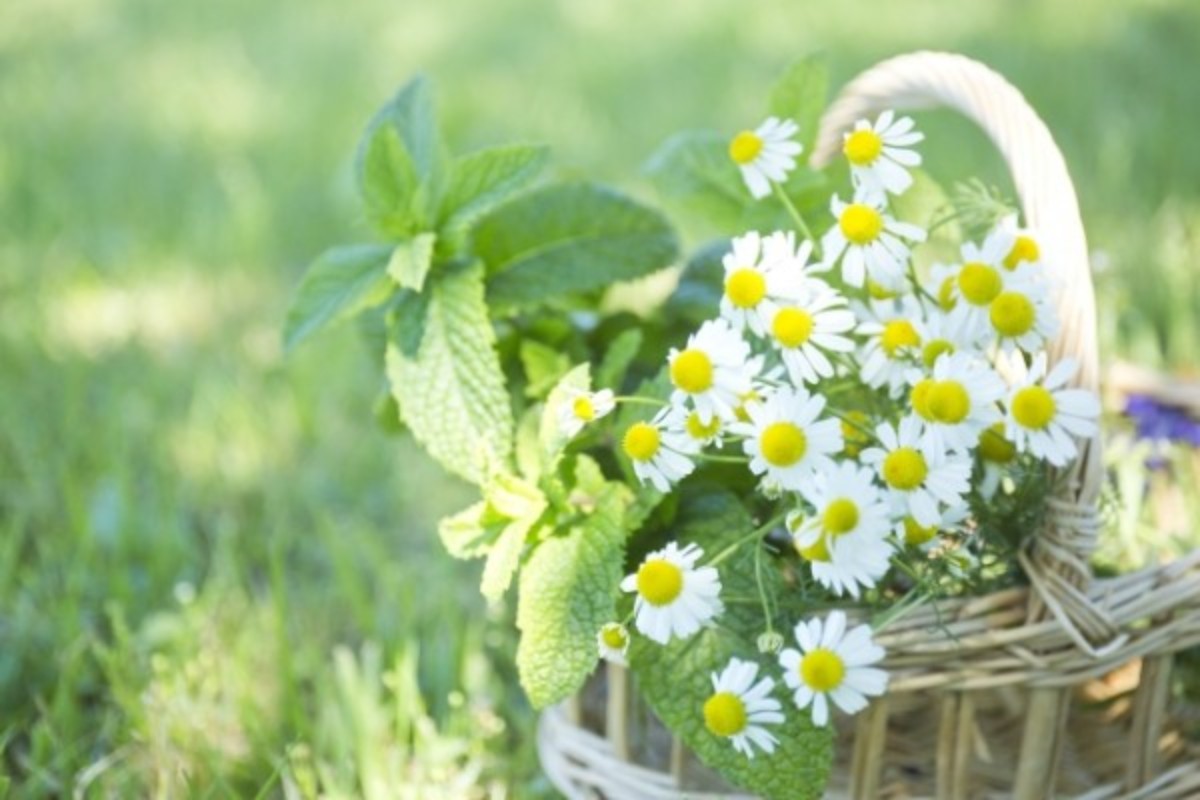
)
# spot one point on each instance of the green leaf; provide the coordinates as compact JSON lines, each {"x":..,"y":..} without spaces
{"x":550,"y":435}
{"x":676,"y":679}
{"x":693,"y":170}
{"x":486,"y":178}
{"x":341,"y":282}
{"x":400,"y":162}
{"x":544,"y":365}
{"x":567,"y":592}
{"x":800,"y":95}
{"x":617,"y":357}
{"x":503,"y":559}
{"x":567,"y":239}
{"x":443,"y":368}
{"x":471,"y":532}
{"x":411,"y":260}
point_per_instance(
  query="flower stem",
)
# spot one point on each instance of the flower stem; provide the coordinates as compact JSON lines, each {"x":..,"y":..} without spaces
{"x":639,"y":400}
{"x":757,"y":533}
{"x":797,"y":218}
{"x":723,"y":459}
{"x":762,"y":591}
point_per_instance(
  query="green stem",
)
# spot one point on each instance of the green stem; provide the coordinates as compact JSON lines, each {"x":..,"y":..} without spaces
{"x":639,"y":400}
{"x":846,"y":418}
{"x":797,"y":218}
{"x":757,"y":533}
{"x":723,"y":459}
{"x":762,"y":590}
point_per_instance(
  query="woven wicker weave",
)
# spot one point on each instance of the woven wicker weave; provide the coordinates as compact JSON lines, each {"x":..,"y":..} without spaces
{"x":995,"y":696}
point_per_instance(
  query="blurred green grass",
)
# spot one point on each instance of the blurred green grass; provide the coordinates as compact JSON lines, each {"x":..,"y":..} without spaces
{"x":217,"y":575}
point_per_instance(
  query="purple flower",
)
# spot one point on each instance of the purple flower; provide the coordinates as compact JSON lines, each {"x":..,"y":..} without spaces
{"x":1161,"y":424}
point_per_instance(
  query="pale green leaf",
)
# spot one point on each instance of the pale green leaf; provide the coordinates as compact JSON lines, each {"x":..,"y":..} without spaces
{"x":800,"y":96}
{"x":568,"y":590}
{"x":567,"y":239}
{"x":442,"y":366}
{"x":617,"y":357}
{"x":341,"y":282}
{"x":484,"y":179}
{"x":544,"y":365}
{"x":411,"y":260}
{"x":504,"y":557}
{"x":693,"y":170}
{"x":471,"y":532}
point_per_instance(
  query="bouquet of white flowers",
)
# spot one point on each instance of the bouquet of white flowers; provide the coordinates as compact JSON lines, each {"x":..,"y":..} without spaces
{"x":842,"y":401}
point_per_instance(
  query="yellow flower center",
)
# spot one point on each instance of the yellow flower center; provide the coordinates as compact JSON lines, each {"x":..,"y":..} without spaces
{"x":792,"y":327}
{"x":641,"y":441}
{"x":614,"y":636}
{"x":1023,"y":249}
{"x":698,"y":430}
{"x":692,"y":371}
{"x":841,"y":516}
{"x":945,"y":295}
{"x":878,"y":291}
{"x":822,"y":670}
{"x":853,"y":437}
{"x":583,"y":408}
{"x":1033,"y":407}
{"x":916,"y":533}
{"x":919,"y":398}
{"x":1012,"y":314}
{"x":934,"y":348}
{"x":979,"y":283}
{"x":949,"y":402}
{"x":994,"y":447}
{"x":740,"y":412}
{"x":863,"y":147}
{"x":659,"y":582}
{"x":745,"y":147}
{"x":860,"y":223}
{"x":817,"y":551}
{"x":725,"y":714}
{"x":904,"y":469}
{"x":745,"y":287}
{"x":783,"y":444}
{"x":897,"y":334}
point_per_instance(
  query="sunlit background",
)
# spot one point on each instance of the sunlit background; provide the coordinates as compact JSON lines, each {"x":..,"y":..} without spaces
{"x":218,"y":572}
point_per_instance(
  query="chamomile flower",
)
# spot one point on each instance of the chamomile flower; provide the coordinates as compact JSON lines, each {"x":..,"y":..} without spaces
{"x":941,"y":332}
{"x":674,"y":596}
{"x":705,"y":434}
{"x":580,"y":407}
{"x":918,"y":475}
{"x":833,"y":664}
{"x":711,"y":370}
{"x":1021,"y":316}
{"x":970,"y":286}
{"x":957,"y":400}
{"x":1043,"y":414}
{"x":760,"y":274}
{"x":766,"y":154}
{"x":914,"y":534}
{"x":1020,"y":244}
{"x":612,"y":640}
{"x":844,"y":537}
{"x":995,"y":453}
{"x":879,"y":153}
{"x":869,"y":242}
{"x":785,"y":439}
{"x":660,"y":449}
{"x":739,"y":708}
{"x":805,"y":330}
{"x":893,"y":342}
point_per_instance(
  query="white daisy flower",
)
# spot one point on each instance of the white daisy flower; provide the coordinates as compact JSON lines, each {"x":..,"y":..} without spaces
{"x":893,"y":342}
{"x":786,"y":441}
{"x":674,"y":597}
{"x":918,"y":475}
{"x":941,"y":332}
{"x":713,"y":370}
{"x":766,"y":154}
{"x":914,"y":534}
{"x":580,"y":407}
{"x":660,"y":449}
{"x":809,"y":327}
{"x":996,"y":453}
{"x":957,"y":400}
{"x":844,"y":538}
{"x":612,"y":640}
{"x":970,"y":287}
{"x":760,"y":274}
{"x":1022,"y":317}
{"x":739,"y":708}
{"x":1019,"y":244}
{"x":704,"y":434}
{"x":833,"y":664}
{"x":1043,"y":414}
{"x":869,"y":242}
{"x":879,"y":154}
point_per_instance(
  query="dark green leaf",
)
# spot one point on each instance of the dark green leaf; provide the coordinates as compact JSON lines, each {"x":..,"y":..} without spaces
{"x":341,"y":282}
{"x":486,"y":178}
{"x":569,"y":239}
{"x":617,"y":357}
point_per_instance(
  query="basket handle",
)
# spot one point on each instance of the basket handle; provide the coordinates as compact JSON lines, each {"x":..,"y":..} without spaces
{"x":1057,"y":560}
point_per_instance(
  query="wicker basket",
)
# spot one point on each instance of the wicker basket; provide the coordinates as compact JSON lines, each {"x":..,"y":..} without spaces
{"x":1060,"y":688}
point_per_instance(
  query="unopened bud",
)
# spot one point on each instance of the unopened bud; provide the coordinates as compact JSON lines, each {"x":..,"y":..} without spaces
{"x":770,"y":642}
